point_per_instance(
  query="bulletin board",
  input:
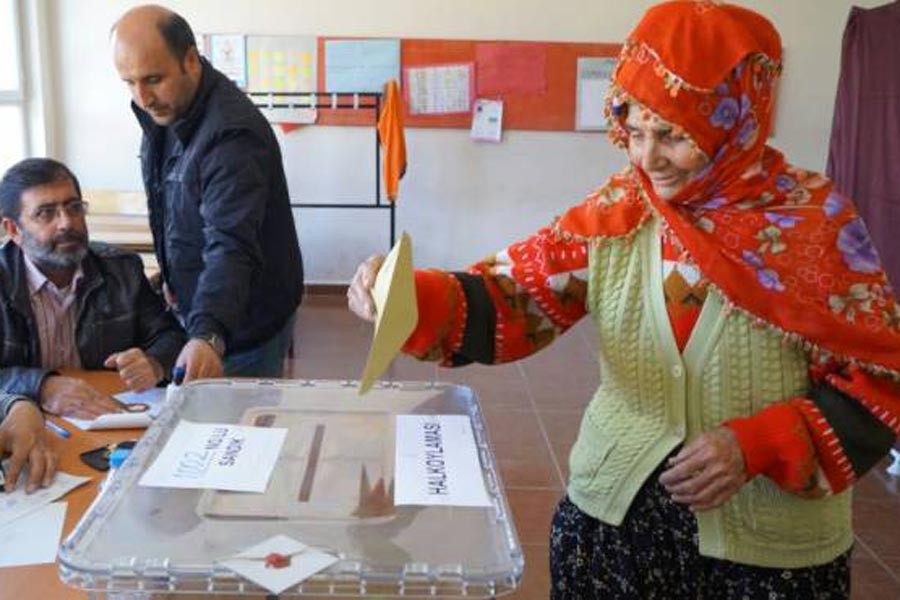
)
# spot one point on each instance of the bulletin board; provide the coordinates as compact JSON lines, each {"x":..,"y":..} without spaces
{"x":550,"y":108}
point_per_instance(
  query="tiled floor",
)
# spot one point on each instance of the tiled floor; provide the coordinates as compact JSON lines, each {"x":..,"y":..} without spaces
{"x":532,"y":409}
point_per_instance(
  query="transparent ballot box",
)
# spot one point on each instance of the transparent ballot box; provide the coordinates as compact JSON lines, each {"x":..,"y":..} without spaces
{"x":331,"y":488}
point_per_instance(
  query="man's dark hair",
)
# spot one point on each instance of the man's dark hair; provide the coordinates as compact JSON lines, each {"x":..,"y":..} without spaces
{"x":178,"y":35}
{"x":29,"y":173}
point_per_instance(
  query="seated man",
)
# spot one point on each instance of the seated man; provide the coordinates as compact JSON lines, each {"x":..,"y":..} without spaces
{"x":22,"y":436}
{"x":67,"y":304}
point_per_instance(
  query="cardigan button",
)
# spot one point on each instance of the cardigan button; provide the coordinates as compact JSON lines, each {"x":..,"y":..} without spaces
{"x":677,"y":371}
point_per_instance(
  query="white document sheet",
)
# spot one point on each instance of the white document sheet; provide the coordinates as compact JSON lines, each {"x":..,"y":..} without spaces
{"x":281,"y":63}
{"x":437,"y":90}
{"x":16,"y":504}
{"x":594,"y":79}
{"x":437,"y":462}
{"x":487,"y":120}
{"x":216,"y":456}
{"x":360,"y":65}
{"x":296,"y":562}
{"x":33,"y":539}
{"x":154,"y":398}
{"x":229,"y":56}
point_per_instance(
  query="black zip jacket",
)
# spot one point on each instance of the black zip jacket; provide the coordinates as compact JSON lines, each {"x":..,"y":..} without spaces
{"x":221,"y":219}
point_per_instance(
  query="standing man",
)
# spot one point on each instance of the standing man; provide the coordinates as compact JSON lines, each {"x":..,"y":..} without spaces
{"x":219,"y":208}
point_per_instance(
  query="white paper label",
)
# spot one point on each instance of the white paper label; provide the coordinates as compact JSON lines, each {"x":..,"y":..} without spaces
{"x":217,"y":456}
{"x":437,"y":462}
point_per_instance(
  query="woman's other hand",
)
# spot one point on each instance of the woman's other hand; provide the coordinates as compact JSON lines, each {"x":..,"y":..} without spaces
{"x":359,"y":294}
{"x":707,"y":471}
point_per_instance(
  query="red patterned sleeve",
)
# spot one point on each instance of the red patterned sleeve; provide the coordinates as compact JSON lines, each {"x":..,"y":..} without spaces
{"x":823,"y":443}
{"x":505,"y":307}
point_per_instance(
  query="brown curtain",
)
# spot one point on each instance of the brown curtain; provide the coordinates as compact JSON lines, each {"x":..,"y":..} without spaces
{"x":864,"y":157}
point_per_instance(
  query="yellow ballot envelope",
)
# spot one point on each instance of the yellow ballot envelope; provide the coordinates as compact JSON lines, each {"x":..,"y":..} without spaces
{"x":394,"y":293}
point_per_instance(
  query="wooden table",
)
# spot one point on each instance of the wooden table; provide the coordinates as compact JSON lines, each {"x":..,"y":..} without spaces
{"x":41,"y":582}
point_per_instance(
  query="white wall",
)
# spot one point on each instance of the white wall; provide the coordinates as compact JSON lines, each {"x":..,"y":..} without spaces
{"x":459,"y":200}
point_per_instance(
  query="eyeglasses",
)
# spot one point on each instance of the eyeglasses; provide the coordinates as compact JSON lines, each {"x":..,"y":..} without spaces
{"x":47,"y":213}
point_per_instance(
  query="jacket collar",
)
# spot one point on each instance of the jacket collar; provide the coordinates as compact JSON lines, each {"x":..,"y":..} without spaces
{"x":14,"y":276}
{"x":36,"y":279}
{"x":184,"y":127}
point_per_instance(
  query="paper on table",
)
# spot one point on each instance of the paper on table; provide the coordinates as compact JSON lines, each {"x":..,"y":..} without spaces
{"x":113,"y":421}
{"x":394,"y":293}
{"x":437,"y":462}
{"x":33,"y":539}
{"x":217,"y":456}
{"x":154,"y":398}
{"x":276,"y":576}
{"x":17,"y":503}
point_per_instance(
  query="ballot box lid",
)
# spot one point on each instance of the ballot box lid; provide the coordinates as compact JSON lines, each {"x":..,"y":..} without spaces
{"x":332,"y":488}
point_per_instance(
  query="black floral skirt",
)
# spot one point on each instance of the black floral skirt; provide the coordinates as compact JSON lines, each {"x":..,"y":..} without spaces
{"x":653,"y":555}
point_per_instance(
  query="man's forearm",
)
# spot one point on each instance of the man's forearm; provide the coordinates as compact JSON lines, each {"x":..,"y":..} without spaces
{"x":23,"y":381}
{"x":7,"y":400}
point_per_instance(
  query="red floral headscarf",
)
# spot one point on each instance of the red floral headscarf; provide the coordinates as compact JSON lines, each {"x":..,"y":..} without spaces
{"x":777,"y":241}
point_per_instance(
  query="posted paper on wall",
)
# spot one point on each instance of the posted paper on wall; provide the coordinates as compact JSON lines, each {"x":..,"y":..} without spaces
{"x":439,"y":89}
{"x":217,"y":456}
{"x":360,"y":65}
{"x":227,"y":54}
{"x":594,"y":79}
{"x":281,"y":63}
{"x":436,"y":462}
{"x":511,"y":67}
{"x":487,"y":120}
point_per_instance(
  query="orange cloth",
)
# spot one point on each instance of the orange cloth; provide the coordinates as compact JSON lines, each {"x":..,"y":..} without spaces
{"x":393,"y":140}
{"x":778,"y":241}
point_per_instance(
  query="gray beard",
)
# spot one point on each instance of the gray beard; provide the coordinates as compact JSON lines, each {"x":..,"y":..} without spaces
{"x":46,"y":257}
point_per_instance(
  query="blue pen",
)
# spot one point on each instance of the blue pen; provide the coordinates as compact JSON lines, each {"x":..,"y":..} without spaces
{"x":58,"y":430}
{"x":178,"y":374}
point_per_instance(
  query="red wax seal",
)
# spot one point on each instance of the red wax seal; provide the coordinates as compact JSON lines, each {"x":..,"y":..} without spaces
{"x":277,"y":561}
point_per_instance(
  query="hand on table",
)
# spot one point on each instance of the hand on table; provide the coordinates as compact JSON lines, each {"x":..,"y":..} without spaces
{"x":707,"y":471}
{"x":359,"y":294}
{"x":137,"y":369}
{"x":70,"y":397}
{"x":22,"y":436}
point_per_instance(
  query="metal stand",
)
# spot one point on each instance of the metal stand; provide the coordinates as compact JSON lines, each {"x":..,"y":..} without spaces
{"x":336,"y":101}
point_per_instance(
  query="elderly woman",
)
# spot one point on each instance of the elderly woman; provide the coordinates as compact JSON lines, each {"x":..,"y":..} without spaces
{"x":749,"y":341}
